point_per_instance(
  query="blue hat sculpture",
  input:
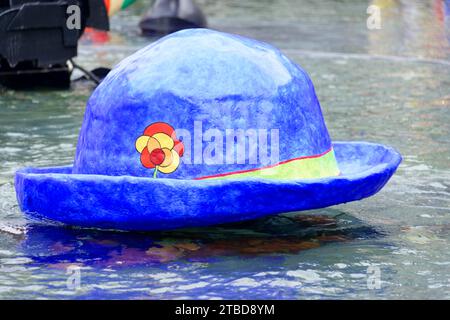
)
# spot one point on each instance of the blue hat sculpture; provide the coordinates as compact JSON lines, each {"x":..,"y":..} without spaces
{"x":201,"y":128}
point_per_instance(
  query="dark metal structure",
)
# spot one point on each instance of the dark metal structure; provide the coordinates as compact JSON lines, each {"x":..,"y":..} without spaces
{"x":167,"y":16}
{"x":36,"y":42}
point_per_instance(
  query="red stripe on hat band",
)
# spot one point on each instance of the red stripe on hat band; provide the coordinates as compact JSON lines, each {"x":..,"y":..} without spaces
{"x":267,"y":167}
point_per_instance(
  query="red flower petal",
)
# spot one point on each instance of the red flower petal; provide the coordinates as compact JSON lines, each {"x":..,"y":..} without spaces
{"x":179,"y":147}
{"x":146,"y":160}
{"x":157,"y":156}
{"x":160,"y":127}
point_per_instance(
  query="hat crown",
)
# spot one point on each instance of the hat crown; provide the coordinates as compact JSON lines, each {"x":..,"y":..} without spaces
{"x":234,"y":104}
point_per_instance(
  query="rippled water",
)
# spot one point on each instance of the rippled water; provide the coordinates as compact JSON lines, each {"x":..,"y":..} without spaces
{"x":390,"y":86}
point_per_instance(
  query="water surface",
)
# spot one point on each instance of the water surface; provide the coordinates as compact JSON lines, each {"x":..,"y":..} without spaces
{"x":390,"y":86}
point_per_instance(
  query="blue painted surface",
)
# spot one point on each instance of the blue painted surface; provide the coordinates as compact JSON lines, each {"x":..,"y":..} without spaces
{"x":226,"y":82}
{"x":136,"y":203}
{"x":221,"y":80}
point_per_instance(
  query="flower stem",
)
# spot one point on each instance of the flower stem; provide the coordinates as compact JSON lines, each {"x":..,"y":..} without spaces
{"x":156,"y":171}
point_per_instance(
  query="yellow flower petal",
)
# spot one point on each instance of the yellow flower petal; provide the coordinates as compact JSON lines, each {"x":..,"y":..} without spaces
{"x":173,"y":166}
{"x":167,"y":159}
{"x":141,"y":143}
{"x":152,"y":144}
{"x":164,"y":140}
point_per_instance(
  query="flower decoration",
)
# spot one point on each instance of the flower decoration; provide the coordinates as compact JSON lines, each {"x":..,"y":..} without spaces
{"x":159,"y":148}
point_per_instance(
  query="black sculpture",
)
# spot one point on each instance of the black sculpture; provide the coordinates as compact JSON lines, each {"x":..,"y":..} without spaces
{"x":36,"y":42}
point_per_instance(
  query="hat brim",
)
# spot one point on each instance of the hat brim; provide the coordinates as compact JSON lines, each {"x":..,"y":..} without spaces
{"x":144,"y":204}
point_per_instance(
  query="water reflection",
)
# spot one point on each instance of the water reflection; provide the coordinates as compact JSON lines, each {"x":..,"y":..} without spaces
{"x":411,"y":28}
{"x":58,"y":247}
